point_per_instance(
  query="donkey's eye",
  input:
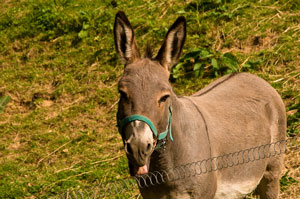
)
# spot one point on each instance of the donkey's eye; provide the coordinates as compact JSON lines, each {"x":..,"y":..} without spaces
{"x":163,"y":99}
{"x":123,"y":95}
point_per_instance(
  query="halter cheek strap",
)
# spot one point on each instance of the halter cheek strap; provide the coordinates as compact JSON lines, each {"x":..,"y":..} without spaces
{"x":161,"y":136}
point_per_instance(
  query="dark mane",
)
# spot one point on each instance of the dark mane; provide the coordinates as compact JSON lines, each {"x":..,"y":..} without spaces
{"x":148,"y":52}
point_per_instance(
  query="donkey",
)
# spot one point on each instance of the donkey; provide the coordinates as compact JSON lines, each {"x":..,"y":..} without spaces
{"x":161,"y":130}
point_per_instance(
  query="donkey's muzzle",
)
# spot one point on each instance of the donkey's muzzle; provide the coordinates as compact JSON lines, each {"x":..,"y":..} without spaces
{"x":139,"y":142}
{"x":138,"y":152}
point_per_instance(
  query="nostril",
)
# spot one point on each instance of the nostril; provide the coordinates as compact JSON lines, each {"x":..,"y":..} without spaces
{"x":129,"y":149}
{"x":146,"y":151}
{"x":148,"y":147}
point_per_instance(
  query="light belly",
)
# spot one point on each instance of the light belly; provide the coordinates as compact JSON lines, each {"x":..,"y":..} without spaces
{"x":228,"y":190}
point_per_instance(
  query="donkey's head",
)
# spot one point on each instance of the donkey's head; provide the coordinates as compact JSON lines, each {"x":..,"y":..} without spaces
{"x":145,"y":104}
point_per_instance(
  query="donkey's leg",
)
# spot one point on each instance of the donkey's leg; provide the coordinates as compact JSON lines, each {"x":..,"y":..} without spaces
{"x":269,"y":187}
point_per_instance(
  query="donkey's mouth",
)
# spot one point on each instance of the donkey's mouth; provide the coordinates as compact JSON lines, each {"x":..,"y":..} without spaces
{"x":141,"y":170}
{"x":135,"y":168}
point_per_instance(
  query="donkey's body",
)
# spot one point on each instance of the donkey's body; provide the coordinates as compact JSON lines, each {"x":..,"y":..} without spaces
{"x":236,"y":112}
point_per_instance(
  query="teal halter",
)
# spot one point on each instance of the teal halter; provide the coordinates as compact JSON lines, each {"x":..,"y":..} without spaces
{"x":161,"y":136}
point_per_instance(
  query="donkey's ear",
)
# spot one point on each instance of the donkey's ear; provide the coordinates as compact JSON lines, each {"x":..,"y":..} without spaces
{"x":170,"y":52}
{"x":124,"y":39}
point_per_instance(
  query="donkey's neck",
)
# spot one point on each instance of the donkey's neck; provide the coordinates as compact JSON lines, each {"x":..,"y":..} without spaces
{"x":162,"y":158}
{"x":190,"y":134}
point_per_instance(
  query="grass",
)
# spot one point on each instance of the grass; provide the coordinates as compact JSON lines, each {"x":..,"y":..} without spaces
{"x":59,"y":67}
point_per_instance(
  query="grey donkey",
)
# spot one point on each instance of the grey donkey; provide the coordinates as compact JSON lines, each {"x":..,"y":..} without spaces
{"x":235,"y":112}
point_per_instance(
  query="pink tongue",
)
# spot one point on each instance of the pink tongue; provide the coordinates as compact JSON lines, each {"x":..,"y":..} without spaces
{"x":142,"y":170}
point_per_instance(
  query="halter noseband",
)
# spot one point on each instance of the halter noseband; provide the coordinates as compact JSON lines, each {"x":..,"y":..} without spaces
{"x":161,"y":136}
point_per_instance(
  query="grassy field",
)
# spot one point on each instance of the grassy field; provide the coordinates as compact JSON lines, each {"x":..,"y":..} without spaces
{"x":59,"y":67}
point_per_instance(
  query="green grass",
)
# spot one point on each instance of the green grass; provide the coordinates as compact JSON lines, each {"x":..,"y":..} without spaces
{"x":59,"y":67}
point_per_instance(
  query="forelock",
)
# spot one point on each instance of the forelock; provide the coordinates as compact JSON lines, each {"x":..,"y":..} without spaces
{"x":148,"y":52}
